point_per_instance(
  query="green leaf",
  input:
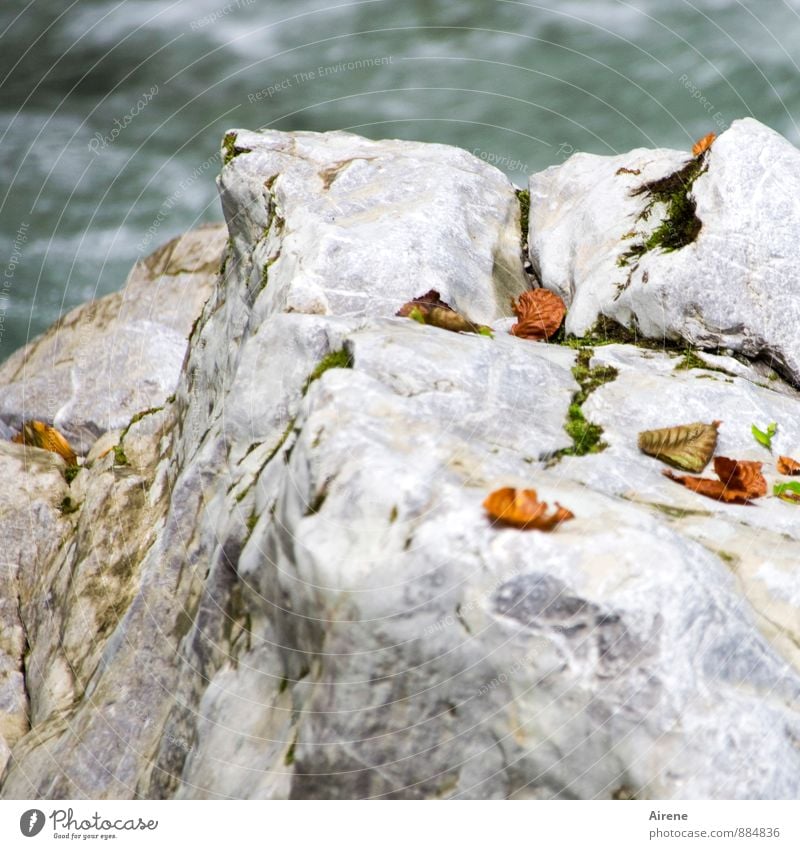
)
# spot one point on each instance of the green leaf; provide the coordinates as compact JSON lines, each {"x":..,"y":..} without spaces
{"x":788,"y":491}
{"x":762,"y":438}
{"x":486,"y":331}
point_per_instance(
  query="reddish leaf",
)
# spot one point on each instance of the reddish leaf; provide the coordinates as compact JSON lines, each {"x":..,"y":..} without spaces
{"x":788,"y":466}
{"x":520,"y":508}
{"x":740,"y":481}
{"x":539,"y":314}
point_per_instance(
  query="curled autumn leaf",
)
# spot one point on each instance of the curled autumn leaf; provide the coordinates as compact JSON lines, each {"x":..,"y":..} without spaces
{"x":520,"y":508}
{"x":788,"y":466}
{"x":431,"y":309}
{"x":703,"y":144}
{"x":688,"y":447}
{"x":39,"y":435}
{"x":740,"y":481}
{"x":539,"y":314}
{"x":788,"y":492}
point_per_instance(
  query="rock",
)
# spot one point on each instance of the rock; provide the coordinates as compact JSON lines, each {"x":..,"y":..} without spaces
{"x":732,"y":286}
{"x":108,"y":359}
{"x":283,"y":584}
{"x":347,"y":226}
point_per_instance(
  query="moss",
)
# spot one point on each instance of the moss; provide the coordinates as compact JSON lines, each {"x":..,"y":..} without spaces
{"x":68,"y":506}
{"x":676,"y":512}
{"x":119,"y":455}
{"x":231,"y":149}
{"x":586,"y":436}
{"x":680,"y":225}
{"x":336,"y":359}
{"x":607,"y":331}
{"x":524,"y":197}
{"x":691,"y":360}
{"x":70,"y":473}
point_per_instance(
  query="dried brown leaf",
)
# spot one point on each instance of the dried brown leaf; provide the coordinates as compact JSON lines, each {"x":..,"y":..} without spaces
{"x":39,"y":435}
{"x":688,"y":447}
{"x":431,"y":309}
{"x":539,"y":314}
{"x":788,"y":466}
{"x":521,"y":508}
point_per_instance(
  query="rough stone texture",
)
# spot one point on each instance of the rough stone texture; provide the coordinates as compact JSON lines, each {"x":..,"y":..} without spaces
{"x":108,"y":359}
{"x":736,"y":286}
{"x":278,"y":588}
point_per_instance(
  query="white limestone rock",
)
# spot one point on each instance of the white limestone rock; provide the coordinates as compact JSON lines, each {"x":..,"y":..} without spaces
{"x":111,"y":358}
{"x":734,"y":287}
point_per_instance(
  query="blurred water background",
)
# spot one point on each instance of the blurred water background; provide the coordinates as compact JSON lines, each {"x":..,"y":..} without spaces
{"x":111,"y":111}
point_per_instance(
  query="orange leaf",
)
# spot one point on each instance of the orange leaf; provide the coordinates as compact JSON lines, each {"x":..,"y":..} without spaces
{"x":741,"y":475}
{"x":788,"y":466}
{"x":40,"y":435}
{"x":520,"y":508}
{"x":539,"y":314}
{"x":739,"y":482}
{"x":703,"y":144}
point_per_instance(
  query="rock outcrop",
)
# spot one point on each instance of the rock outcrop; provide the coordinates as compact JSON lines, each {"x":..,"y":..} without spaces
{"x":283,"y":583}
{"x":108,"y":359}
{"x":702,"y":250}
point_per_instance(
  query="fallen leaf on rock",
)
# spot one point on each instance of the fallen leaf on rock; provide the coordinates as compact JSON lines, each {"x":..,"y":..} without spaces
{"x":688,"y":447}
{"x":740,"y":481}
{"x":539,"y":314}
{"x":788,"y":466}
{"x":431,"y":309}
{"x":763,"y":438}
{"x":703,"y":144}
{"x":39,"y":435}
{"x":522,"y":509}
{"x":788,"y":492}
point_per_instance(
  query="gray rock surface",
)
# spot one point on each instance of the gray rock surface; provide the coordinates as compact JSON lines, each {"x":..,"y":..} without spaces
{"x":284,"y":585}
{"x":108,"y":359}
{"x":734,"y":287}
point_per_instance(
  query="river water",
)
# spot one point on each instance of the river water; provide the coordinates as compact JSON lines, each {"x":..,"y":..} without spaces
{"x":111,"y":112}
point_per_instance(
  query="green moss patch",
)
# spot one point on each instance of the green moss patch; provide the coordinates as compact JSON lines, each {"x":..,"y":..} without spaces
{"x":586,"y":436}
{"x":524,"y":197}
{"x":336,"y":359}
{"x":680,"y":225}
{"x":231,"y":149}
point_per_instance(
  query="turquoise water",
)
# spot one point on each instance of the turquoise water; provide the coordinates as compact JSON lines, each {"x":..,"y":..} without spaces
{"x":111,"y":112}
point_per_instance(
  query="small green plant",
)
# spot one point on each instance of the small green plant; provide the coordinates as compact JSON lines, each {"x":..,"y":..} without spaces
{"x":765,"y":437}
{"x":70,"y":473}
